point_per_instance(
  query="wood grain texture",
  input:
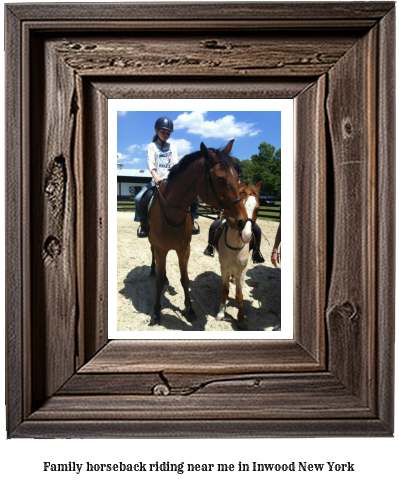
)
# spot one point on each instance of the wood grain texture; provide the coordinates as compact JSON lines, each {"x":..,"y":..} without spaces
{"x":15,"y":257}
{"x":351,"y":112}
{"x":209,"y":407}
{"x":386,"y":214}
{"x":53,"y":211}
{"x":310,"y":194}
{"x":95,"y":201}
{"x":335,"y":377}
{"x":192,"y":428}
{"x":262,"y":54}
{"x":197,"y":87}
{"x":200,"y":356}
{"x":360,"y":13}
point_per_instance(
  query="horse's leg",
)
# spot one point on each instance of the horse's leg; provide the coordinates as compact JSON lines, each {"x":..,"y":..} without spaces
{"x":239,"y":299}
{"x":160,"y":258}
{"x":225,"y":294}
{"x":153,"y":267}
{"x":184,"y":255}
{"x":153,"y":273}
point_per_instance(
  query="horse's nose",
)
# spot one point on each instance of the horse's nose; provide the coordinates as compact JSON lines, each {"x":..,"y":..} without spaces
{"x":241,"y":224}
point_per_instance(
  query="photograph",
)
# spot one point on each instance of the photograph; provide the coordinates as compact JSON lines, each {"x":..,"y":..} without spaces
{"x":199,"y":195}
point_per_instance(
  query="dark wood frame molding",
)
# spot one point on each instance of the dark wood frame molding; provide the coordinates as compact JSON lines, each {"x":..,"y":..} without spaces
{"x":63,"y":62}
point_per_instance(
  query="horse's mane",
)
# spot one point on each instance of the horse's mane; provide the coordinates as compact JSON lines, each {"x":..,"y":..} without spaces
{"x":226,"y":161}
{"x":248,"y":189}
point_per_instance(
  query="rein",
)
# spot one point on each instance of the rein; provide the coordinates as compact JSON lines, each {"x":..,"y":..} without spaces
{"x":170,"y":206}
{"x":228,"y":246}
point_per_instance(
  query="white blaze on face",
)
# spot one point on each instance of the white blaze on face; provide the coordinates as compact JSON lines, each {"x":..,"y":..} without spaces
{"x":250,"y":206}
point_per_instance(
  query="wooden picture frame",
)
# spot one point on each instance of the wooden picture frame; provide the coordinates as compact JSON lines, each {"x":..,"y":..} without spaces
{"x":335,"y":378}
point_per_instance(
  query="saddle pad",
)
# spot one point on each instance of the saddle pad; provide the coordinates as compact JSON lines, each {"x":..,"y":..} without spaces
{"x":146,"y":201}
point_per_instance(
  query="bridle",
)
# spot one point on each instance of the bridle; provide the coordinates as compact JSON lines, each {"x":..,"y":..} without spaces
{"x":252,"y":226}
{"x":208,"y":178}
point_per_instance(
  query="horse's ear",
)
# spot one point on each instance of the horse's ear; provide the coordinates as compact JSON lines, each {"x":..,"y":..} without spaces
{"x":206,"y":152}
{"x":228,"y":147}
{"x":258,"y":186}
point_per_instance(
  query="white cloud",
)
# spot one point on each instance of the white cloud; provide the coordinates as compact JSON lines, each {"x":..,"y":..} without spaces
{"x":121,"y":114}
{"x":183,"y":146}
{"x":128,"y":160}
{"x":137,"y":148}
{"x":121,"y":156}
{"x":135,"y":161}
{"x":226,"y":127}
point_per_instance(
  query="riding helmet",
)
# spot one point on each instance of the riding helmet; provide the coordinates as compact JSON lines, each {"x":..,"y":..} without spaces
{"x":237,"y":167}
{"x":164,"y":123}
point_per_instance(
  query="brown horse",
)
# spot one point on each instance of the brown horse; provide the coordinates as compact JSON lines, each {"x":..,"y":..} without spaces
{"x":210,"y":174}
{"x":233,"y":249}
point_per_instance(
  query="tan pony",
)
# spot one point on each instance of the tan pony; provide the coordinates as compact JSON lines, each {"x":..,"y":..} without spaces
{"x":233,"y":248}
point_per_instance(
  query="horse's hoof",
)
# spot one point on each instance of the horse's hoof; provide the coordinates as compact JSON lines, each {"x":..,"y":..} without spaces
{"x":220,"y":316}
{"x":190,"y":315}
{"x":242,"y":326}
{"x":155,"y":320}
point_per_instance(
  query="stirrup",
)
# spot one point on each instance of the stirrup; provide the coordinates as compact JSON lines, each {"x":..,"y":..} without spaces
{"x":209,"y":251}
{"x":196,"y":229}
{"x":142,"y":231}
{"x":257,"y":257}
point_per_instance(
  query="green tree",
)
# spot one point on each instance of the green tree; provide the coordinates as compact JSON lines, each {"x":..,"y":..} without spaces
{"x":264,"y":166}
{"x":246,"y":170}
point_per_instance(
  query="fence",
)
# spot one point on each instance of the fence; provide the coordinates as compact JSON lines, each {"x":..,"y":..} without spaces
{"x":266,"y":211}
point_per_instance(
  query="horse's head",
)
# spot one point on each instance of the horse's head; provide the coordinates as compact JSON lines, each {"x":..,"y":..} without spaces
{"x":221,"y":187}
{"x":250,"y":197}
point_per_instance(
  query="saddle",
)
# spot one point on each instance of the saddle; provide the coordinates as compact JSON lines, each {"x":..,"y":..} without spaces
{"x":146,"y":202}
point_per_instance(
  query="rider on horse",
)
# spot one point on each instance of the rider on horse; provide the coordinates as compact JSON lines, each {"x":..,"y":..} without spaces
{"x":161,"y":156}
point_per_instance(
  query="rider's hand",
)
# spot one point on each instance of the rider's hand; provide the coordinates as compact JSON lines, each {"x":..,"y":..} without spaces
{"x":157,"y":179}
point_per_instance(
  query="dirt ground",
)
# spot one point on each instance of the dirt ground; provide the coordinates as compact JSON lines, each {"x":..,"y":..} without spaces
{"x":136,"y":290}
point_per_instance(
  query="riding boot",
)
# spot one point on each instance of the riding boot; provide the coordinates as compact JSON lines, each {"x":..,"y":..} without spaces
{"x":209,"y":250}
{"x":257,"y":257}
{"x":142,"y":231}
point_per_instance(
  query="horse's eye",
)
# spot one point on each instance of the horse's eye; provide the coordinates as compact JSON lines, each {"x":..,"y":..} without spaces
{"x":221,"y":180}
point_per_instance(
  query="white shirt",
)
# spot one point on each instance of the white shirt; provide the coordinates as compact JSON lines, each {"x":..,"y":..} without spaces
{"x":161,"y":158}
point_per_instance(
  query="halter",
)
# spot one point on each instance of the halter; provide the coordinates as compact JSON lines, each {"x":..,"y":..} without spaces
{"x":209,"y":179}
{"x":252,"y":225}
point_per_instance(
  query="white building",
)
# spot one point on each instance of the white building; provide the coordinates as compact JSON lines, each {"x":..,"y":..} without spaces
{"x":130,"y":181}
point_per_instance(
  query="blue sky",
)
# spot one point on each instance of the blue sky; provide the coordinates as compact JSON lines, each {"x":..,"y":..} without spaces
{"x":135,"y":130}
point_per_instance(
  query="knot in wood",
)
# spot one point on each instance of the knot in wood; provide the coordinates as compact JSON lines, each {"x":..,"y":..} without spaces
{"x":52,"y":246}
{"x":50,"y":188}
{"x":347,"y":128}
{"x":213,"y":44}
{"x":161,"y":390}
